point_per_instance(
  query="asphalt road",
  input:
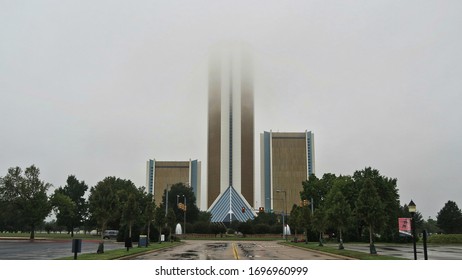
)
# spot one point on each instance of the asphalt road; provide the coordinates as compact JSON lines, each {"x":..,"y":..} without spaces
{"x":217,"y":250}
{"x":231,"y":250}
{"x":434,"y":251}
{"x":47,"y":249}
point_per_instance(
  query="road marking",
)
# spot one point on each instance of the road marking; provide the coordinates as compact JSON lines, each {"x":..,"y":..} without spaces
{"x":236,"y":255}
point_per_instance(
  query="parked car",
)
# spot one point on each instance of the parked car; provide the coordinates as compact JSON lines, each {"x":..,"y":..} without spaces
{"x":110,"y":233}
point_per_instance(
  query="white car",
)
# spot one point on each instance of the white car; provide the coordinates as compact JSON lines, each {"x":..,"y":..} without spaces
{"x":110,"y":233}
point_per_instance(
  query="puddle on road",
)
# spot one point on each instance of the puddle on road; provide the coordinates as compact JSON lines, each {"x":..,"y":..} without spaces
{"x":247,"y":249}
{"x":217,"y":245}
{"x":389,"y":249}
{"x":185,"y":256}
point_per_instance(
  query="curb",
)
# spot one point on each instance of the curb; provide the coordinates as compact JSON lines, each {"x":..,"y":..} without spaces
{"x":319,"y":252}
{"x":147,"y":252}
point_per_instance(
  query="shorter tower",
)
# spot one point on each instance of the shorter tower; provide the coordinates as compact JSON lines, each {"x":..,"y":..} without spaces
{"x":287,"y":159}
{"x":161,"y":174}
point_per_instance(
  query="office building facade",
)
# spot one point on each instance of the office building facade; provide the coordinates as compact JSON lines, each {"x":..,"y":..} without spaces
{"x":230,"y":141}
{"x":287,"y":159}
{"x":161,"y":174}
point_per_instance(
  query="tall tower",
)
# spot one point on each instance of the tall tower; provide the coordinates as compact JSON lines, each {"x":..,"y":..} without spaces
{"x":230,"y":141}
{"x":287,"y":159}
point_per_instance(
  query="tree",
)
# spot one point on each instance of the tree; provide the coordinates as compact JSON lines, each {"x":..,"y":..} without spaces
{"x":171,"y":222}
{"x":338,"y":211}
{"x":26,"y":195}
{"x":319,"y":222}
{"x":295,"y":219}
{"x":449,"y":218}
{"x":122,"y":189}
{"x":114,"y":202}
{"x":130,"y":212}
{"x":65,"y":210}
{"x":148,"y":213}
{"x":159,"y":220}
{"x":102,"y":203}
{"x":315,"y":190}
{"x":177,"y":194}
{"x":370,"y":210}
{"x":75,"y":191}
{"x":388,"y":194}
{"x":266,"y":218}
{"x":300,"y":218}
{"x":431,"y":226}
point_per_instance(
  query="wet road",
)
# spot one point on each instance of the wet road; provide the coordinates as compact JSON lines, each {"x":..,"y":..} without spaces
{"x":47,"y":249}
{"x":435,"y":252}
{"x":231,"y":250}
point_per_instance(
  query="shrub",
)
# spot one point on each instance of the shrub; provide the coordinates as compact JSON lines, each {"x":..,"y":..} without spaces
{"x":261,"y":229}
{"x":276,"y":229}
{"x":201,"y":227}
{"x":445,"y":238}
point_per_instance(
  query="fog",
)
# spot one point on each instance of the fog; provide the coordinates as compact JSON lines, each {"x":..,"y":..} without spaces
{"x":95,"y":89}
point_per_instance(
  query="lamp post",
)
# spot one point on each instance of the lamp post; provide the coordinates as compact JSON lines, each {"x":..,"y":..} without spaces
{"x":412,"y":210}
{"x":284,"y":235}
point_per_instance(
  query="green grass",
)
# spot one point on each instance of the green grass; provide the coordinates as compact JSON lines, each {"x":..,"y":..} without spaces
{"x":344,"y":252}
{"x":121,"y":253}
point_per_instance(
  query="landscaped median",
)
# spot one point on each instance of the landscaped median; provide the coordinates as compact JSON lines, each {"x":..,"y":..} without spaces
{"x":123,"y":253}
{"x":349,"y":254}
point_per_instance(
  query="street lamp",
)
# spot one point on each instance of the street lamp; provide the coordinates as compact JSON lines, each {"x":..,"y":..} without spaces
{"x":412,"y":209}
{"x":283,"y":214}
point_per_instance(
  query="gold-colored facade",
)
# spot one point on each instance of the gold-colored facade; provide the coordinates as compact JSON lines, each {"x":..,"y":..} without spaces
{"x":214,"y":133}
{"x":168,"y":173}
{"x":230,"y":141}
{"x":247,"y":136}
{"x":289,"y":169}
{"x":287,"y":160}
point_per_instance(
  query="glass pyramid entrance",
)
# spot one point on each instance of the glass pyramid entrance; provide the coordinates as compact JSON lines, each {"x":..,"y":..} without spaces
{"x":230,"y":206}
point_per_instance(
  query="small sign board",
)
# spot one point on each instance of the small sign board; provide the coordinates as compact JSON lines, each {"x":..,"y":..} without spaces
{"x":404,"y":225}
{"x":76,"y":245}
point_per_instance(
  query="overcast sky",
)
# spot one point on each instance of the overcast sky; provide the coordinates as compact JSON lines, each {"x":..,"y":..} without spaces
{"x":96,"y":88}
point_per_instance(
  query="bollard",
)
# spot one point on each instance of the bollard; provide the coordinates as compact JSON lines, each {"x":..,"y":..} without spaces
{"x":424,"y":233}
{"x":76,"y":247}
{"x":100,"y":249}
{"x":128,"y":243}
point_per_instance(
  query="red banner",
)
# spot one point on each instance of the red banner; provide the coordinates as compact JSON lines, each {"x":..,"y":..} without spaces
{"x":404,"y":225}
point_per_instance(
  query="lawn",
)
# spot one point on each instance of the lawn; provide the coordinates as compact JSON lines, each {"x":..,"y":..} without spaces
{"x":346,"y":253}
{"x":121,"y":253}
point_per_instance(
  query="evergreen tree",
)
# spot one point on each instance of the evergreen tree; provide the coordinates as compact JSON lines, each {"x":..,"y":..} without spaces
{"x":449,"y":218}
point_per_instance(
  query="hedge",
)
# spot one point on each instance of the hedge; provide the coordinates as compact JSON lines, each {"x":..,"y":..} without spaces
{"x":445,"y":238}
